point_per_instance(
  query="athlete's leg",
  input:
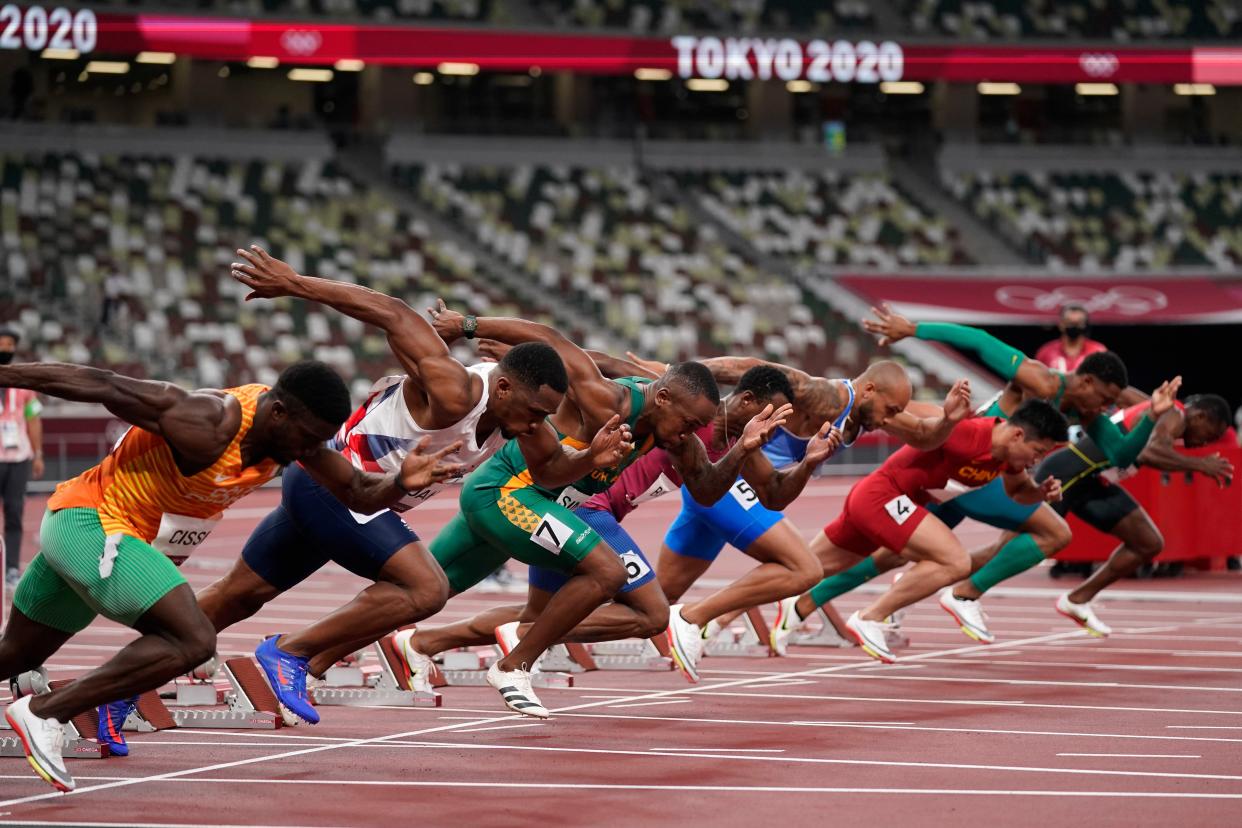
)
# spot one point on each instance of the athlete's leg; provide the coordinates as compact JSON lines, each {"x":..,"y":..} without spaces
{"x":235,"y":597}
{"x":940,"y":560}
{"x":1141,"y":542}
{"x":677,"y":572}
{"x":842,"y":573}
{"x":1043,"y":535}
{"x":27,"y":644}
{"x":786,"y":567}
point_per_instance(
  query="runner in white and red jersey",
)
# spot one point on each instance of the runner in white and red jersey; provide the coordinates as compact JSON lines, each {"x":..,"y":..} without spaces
{"x":886,"y":508}
{"x":640,"y":609}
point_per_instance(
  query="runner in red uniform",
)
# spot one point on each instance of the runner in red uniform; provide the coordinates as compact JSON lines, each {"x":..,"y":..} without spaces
{"x":885,"y":508}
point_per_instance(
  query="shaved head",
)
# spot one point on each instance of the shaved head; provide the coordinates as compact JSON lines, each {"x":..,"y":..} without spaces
{"x":889,"y":377}
{"x":883,"y":391}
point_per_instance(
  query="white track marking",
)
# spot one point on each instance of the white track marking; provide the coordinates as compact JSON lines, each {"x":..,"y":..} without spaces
{"x":1138,"y":755}
{"x":720,"y":750}
{"x":1205,"y":727}
{"x":649,"y":703}
{"x":502,"y":727}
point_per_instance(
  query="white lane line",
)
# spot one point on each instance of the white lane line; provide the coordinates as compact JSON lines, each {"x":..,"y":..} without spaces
{"x":502,"y":727}
{"x":1083,"y":665}
{"x":1139,"y":755}
{"x":1205,"y":727}
{"x":1198,"y":688}
{"x":131,"y":824}
{"x":720,"y":750}
{"x":650,"y":703}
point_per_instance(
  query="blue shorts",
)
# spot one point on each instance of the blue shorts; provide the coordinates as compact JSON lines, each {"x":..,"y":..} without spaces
{"x":311,"y":527}
{"x":987,"y":504}
{"x":638,"y":571}
{"x":737,"y":519}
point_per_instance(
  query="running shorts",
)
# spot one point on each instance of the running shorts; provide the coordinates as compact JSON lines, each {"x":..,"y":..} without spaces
{"x":737,"y":519}
{"x":638,"y":571}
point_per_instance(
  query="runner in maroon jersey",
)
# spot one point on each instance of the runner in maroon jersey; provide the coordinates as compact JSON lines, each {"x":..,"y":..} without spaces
{"x":885,"y":508}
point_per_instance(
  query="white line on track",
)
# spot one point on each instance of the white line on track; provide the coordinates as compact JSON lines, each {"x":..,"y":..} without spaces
{"x":1205,"y":727}
{"x":720,"y":750}
{"x":1139,"y":755}
{"x":650,"y":703}
{"x":502,"y":727}
{"x":1084,"y":665}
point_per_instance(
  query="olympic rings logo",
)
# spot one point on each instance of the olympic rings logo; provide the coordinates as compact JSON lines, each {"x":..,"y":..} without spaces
{"x":1127,"y":300}
{"x":1099,"y":64}
{"x":301,"y":41}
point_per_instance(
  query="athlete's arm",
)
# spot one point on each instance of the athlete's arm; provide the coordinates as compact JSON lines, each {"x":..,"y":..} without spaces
{"x":554,"y":465}
{"x":1131,"y":396}
{"x":926,"y":433}
{"x":197,"y":425}
{"x":775,"y":488}
{"x":1005,"y":360}
{"x":1123,"y":449}
{"x":598,"y":398}
{"x":707,"y":482}
{"x":368,"y":492}
{"x":610,"y":366}
{"x":1160,"y":453}
{"x":1022,"y":488}
{"x":416,"y":345}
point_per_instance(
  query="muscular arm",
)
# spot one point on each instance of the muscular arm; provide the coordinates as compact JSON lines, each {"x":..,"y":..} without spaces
{"x":552,"y":464}
{"x":775,"y":488}
{"x":197,"y":426}
{"x":1159,"y":452}
{"x":1121,"y":449}
{"x":1022,"y":489}
{"x":615,"y":368}
{"x":707,"y":481}
{"x":923,"y":433}
{"x":363,"y":492}
{"x":1011,"y":364}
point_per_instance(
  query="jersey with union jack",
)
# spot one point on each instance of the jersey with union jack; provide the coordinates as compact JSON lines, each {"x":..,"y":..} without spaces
{"x":382,"y":432}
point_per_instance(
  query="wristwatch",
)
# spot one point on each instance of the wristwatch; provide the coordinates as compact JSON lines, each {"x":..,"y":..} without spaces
{"x":469,"y":325}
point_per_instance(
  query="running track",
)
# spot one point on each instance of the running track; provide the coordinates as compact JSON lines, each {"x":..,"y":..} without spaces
{"x":1047,"y":726}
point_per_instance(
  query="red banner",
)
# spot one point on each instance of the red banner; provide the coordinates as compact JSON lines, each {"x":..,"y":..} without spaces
{"x":1036,"y":300}
{"x":36,"y":27}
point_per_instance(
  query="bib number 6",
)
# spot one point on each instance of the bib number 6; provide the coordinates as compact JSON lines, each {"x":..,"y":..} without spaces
{"x":635,"y":567}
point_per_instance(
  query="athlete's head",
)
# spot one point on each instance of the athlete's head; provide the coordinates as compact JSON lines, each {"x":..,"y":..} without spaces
{"x":1098,"y":382}
{"x":880,"y":394}
{"x":683,"y":400}
{"x":1035,"y":429}
{"x":1074,"y":321}
{"x":309,"y":403}
{"x":8,"y":345}
{"x":528,"y":386}
{"x":760,"y":386}
{"x":1207,"y":418}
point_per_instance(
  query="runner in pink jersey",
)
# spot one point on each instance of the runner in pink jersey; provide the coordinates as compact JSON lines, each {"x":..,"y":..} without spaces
{"x":640,"y":609}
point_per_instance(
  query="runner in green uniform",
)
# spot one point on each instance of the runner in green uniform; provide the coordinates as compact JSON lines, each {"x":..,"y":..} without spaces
{"x":505,"y":513}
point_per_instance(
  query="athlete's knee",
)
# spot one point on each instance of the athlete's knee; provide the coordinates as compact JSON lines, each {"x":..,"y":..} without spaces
{"x":651,"y":621}
{"x":1148,"y":543}
{"x":195,"y":645}
{"x":427,"y":597}
{"x":608,"y":573}
{"x":957,"y":564}
{"x":1052,"y":538}
{"x":806,"y":573}
{"x":14,"y":659}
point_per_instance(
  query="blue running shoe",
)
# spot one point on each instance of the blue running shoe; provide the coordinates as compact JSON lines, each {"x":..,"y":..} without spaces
{"x":111,"y":719}
{"x":286,"y":674}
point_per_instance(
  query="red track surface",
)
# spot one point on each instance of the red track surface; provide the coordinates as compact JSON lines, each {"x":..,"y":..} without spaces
{"x":1047,"y":726}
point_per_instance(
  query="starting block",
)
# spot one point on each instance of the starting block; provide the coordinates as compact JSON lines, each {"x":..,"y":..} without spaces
{"x":468,"y":668}
{"x":250,"y":703}
{"x":636,"y":654}
{"x":358,"y":686}
{"x":752,"y":641}
{"x":77,"y":744}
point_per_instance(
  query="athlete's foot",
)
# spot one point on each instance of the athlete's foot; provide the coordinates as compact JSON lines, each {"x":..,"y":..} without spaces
{"x":968,"y":614}
{"x":514,"y":687}
{"x":1085,"y":615}
{"x":507,"y":638}
{"x":111,"y":719}
{"x":787,"y":621}
{"x":42,"y":740}
{"x":872,"y":637}
{"x":418,"y":664}
{"x":685,"y":641}
{"x":286,"y":673}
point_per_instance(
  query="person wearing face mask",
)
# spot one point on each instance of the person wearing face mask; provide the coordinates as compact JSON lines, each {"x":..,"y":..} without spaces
{"x":21,"y":456}
{"x":1068,"y":352}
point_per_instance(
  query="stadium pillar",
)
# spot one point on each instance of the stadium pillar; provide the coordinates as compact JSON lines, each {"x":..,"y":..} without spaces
{"x":771,"y":110}
{"x":955,"y":111}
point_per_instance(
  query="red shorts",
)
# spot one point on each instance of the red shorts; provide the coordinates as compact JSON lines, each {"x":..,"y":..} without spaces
{"x":876,"y":514}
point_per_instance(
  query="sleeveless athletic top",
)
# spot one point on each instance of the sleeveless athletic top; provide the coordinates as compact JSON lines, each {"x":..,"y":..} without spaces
{"x":508,"y":468}
{"x":785,"y":449}
{"x":380,"y":434}
{"x":138,"y":490}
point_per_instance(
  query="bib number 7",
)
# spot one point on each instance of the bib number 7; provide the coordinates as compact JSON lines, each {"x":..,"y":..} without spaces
{"x":551,"y":534}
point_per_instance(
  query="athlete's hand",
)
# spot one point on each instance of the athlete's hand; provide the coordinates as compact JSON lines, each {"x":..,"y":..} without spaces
{"x":1051,"y":490}
{"x":419,"y":470}
{"x":824,"y":444}
{"x":446,"y":322}
{"x":890,"y":327}
{"x":1217,"y":468}
{"x":957,"y":402}
{"x":653,"y":365}
{"x":1162,"y":398}
{"x":267,"y":277}
{"x":611,"y":444}
{"x":492,"y":351}
{"x":759,"y":430}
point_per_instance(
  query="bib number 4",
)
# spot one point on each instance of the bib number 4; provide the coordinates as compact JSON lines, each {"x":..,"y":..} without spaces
{"x":900,"y":508}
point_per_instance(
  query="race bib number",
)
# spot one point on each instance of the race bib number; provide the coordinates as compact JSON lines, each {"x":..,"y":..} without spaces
{"x":661,"y":486}
{"x":1076,"y":433}
{"x":744,"y":494}
{"x":180,"y":534}
{"x":551,"y":534}
{"x":405,"y":504}
{"x":635,"y":567}
{"x":899,"y":509}
{"x":10,"y":438}
{"x":571,"y":498}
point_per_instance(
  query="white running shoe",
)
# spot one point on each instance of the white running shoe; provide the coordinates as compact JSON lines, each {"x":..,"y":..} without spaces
{"x":787,"y":621}
{"x":872,"y":637}
{"x":685,"y":641}
{"x":43,"y":740}
{"x":417,"y":664}
{"x":507,"y":638}
{"x":968,"y":614}
{"x":514,"y":687}
{"x":1085,"y":615}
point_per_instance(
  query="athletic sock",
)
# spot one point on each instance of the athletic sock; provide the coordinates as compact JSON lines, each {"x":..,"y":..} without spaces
{"x":1019,"y":555}
{"x":843,"y":582}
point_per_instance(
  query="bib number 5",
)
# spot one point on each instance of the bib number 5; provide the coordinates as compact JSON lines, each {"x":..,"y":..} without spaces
{"x":744,"y":494}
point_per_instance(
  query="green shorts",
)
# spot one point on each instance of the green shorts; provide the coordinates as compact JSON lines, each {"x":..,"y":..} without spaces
{"x":496,"y":524}
{"x":63,"y":587}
